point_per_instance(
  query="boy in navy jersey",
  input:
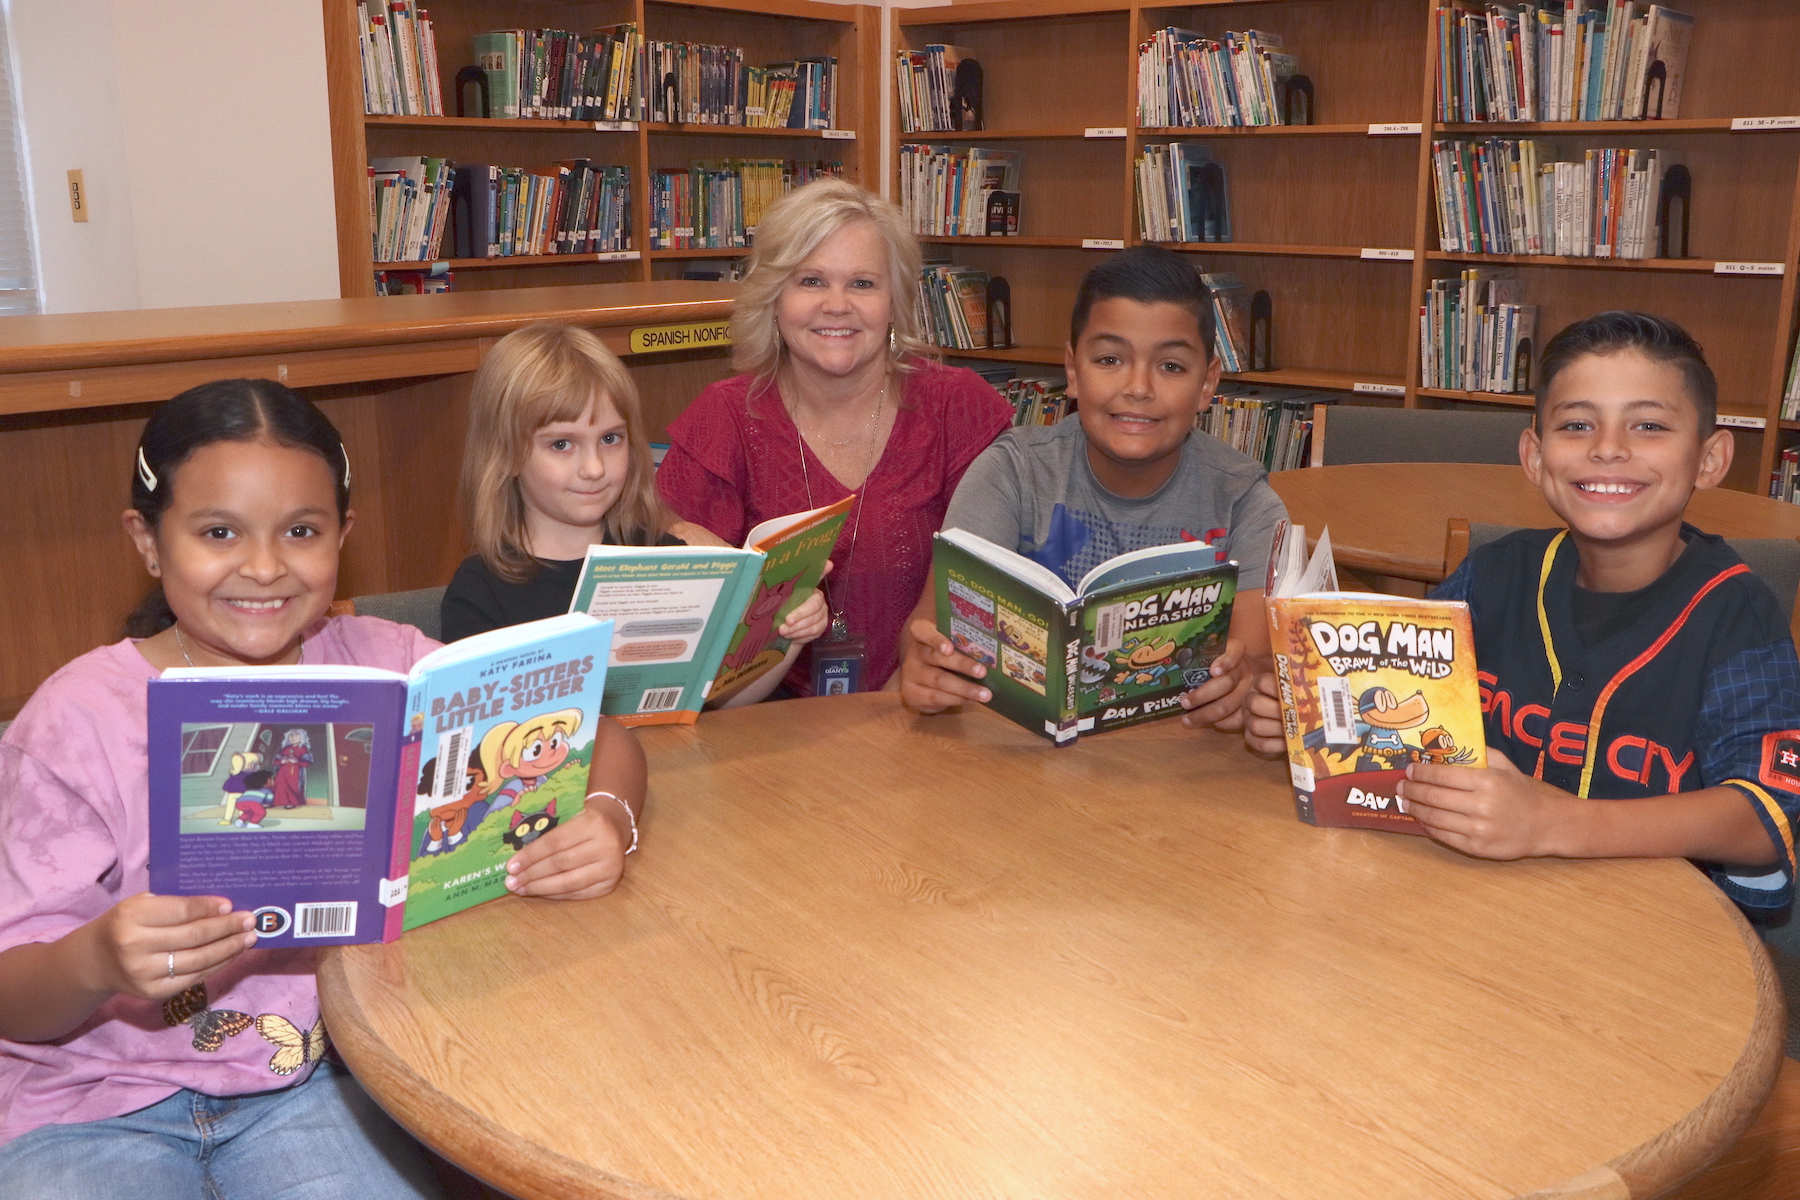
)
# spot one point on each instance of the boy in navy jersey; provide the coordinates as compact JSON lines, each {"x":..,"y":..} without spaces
{"x":1639,"y":684}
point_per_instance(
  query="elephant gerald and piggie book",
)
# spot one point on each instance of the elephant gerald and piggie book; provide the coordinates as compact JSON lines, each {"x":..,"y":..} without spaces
{"x":695,"y":624}
{"x":1116,"y":650}
{"x":1369,"y":685}
{"x":344,"y":804}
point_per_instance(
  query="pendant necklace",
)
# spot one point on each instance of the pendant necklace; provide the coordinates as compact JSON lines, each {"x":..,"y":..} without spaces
{"x":840,"y":629}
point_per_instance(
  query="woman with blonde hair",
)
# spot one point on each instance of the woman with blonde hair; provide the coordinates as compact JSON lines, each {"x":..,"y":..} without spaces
{"x":837,"y":394}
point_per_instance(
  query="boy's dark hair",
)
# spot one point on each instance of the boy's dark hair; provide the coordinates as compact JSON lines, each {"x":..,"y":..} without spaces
{"x":227,"y":410}
{"x":255,"y":781}
{"x":1148,"y":275}
{"x":1658,"y":338}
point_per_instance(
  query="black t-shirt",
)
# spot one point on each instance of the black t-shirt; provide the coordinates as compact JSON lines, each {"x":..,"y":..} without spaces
{"x":1599,"y":615}
{"x":477,"y":600}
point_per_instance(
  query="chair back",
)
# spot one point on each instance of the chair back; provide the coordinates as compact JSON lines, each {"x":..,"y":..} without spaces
{"x":1351,"y":433}
{"x":421,"y":608}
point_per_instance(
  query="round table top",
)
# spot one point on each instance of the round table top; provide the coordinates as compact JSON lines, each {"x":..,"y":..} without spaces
{"x":867,"y":954}
{"x":1390,"y":518}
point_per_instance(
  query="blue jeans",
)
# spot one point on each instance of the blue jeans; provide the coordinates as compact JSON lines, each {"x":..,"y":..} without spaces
{"x":322,"y":1140}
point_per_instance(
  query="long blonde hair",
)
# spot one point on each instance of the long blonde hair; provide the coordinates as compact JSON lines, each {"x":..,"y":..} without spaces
{"x":535,"y":376}
{"x":789,"y":231}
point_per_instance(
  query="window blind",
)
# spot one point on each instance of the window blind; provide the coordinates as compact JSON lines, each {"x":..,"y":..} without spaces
{"x":18,"y":289}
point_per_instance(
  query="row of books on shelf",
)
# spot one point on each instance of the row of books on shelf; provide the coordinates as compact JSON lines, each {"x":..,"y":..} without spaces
{"x":1182,"y":194}
{"x":1186,"y":78}
{"x":697,"y":84}
{"x":421,"y":208}
{"x":1036,"y":401}
{"x":939,"y":89}
{"x":1477,"y":334}
{"x":399,"y":59}
{"x":1578,"y":60}
{"x":1511,"y":196}
{"x":1237,"y":317}
{"x":960,"y":192}
{"x":557,"y":74}
{"x":1785,"y":483}
{"x":717,"y":205}
{"x":1271,"y":425}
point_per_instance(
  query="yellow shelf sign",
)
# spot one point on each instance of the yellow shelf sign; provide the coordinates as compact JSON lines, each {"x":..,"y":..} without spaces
{"x":693,"y":335}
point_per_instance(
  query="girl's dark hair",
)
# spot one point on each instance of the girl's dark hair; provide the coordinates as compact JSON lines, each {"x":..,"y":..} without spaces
{"x":1658,"y":338}
{"x":228,"y":410}
{"x":1148,"y":275}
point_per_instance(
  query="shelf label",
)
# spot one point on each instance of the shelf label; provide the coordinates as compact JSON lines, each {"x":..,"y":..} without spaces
{"x":1757,"y":124}
{"x":616,"y":126}
{"x":692,"y":335}
{"x":1742,"y":422}
{"x":1749,"y":268}
{"x":1390,"y":128}
{"x":1378,"y":389}
{"x":1102,"y":243}
{"x":1104,"y":131}
{"x":1384,"y":254}
{"x":617,"y":256}
{"x":838,"y":135}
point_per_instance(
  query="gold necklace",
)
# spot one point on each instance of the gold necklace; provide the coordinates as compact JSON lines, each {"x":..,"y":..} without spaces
{"x":181,"y":644}
{"x":840,"y":629}
{"x":874,"y":420}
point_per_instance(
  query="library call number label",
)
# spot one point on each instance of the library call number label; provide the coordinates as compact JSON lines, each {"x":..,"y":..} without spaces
{"x":694,"y":335}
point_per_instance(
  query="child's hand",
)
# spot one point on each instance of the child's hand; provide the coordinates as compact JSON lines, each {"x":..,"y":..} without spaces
{"x":809,"y":621}
{"x":582,"y":858}
{"x":129,"y":945}
{"x":1492,"y":812}
{"x":933,"y":676}
{"x":1262,"y":717}
{"x":1219,"y":702}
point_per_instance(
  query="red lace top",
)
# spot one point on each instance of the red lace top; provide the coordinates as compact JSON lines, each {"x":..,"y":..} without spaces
{"x":734,"y":460}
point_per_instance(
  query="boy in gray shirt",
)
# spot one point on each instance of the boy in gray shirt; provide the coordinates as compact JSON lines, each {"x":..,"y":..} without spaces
{"x":1131,"y":471}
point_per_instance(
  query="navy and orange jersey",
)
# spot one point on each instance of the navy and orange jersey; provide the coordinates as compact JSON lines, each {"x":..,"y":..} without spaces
{"x":1702,"y":690}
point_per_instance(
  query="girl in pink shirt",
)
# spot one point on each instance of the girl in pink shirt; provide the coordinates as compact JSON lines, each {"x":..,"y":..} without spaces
{"x":146,"y":1048}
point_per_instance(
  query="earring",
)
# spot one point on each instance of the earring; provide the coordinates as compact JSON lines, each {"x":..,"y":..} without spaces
{"x":156,"y":569}
{"x":893,"y":342}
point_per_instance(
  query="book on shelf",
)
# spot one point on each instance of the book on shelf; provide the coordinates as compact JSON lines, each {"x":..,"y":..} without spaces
{"x":1183,"y":195}
{"x":1117,"y":650}
{"x":1580,"y":60}
{"x":1272,"y":425}
{"x":409,"y":207}
{"x":699,"y":622}
{"x":572,"y":207}
{"x":560,"y":75}
{"x":1369,"y":684}
{"x":415,"y":283}
{"x":1035,"y":401}
{"x":717,"y":205}
{"x":399,"y":59}
{"x":1231,"y":319}
{"x":1784,"y":482}
{"x":1477,"y":334}
{"x":939,"y":89}
{"x":344,"y":804}
{"x":1790,"y":396}
{"x":945,"y":191}
{"x":953,"y":306}
{"x":694,"y":83}
{"x":1186,"y":78}
{"x":1517,"y":196}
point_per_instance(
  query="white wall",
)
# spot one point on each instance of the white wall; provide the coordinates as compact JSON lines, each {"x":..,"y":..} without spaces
{"x":204,"y":136}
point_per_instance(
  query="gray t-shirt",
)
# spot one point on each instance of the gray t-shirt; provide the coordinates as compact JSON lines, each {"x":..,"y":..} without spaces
{"x":1034,"y":491}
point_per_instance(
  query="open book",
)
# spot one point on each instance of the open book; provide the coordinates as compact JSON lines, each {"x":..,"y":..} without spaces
{"x":1116,"y":650}
{"x":298,"y":792}
{"x":698,"y":622}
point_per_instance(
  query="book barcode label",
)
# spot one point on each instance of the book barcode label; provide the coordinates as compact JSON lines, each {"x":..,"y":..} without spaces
{"x":1749,"y":268}
{"x":838,"y":135}
{"x":325,"y":920}
{"x":660,"y":700}
{"x":1391,"y":128}
{"x":1378,"y":389}
{"x":616,"y":126}
{"x":1756,"y":124}
{"x":1102,"y":244}
{"x":1104,"y":131}
{"x":1109,"y":628}
{"x":393,"y":891}
{"x":1338,"y":712}
{"x":452,"y":755}
{"x":616,"y":256}
{"x":1386,"y":254}
{"x":1743,"y":422}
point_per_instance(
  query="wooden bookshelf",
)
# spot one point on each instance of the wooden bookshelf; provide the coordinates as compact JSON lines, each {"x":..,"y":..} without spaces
{"x":768,"y":31}
{"x":1309,"y":201}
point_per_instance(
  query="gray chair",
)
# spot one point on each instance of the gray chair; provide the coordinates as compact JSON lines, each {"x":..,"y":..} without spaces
{"x":1352,"y":433}
{"x":421,"y":608}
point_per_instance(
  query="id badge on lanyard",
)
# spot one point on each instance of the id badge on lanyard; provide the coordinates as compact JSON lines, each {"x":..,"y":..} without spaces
{"x":838,"y":663}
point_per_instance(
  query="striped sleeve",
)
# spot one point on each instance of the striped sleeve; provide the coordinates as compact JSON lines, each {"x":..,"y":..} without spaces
{"x":1749,"y":710}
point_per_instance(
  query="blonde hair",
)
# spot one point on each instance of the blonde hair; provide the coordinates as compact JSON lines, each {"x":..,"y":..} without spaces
{"x":534,"y":376}
{"x":789,"y":231}
{"x":505,"y":743}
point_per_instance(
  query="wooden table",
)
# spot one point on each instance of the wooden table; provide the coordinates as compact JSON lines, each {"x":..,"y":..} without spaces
{"x":1389,"y":518}
{"x":864,"y":955}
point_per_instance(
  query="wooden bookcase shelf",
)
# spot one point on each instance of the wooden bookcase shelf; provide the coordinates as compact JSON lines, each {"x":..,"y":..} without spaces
{"x":1307,"y":201}
{"x":768,"y":30}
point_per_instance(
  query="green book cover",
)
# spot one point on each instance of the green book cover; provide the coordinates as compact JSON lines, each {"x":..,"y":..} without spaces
{"x":498,"y":54}
{"x":1118,"y":650}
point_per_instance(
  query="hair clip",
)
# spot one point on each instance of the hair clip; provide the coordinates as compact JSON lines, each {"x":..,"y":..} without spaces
{"x":144,"y":471}
{"x":346,"y":455}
